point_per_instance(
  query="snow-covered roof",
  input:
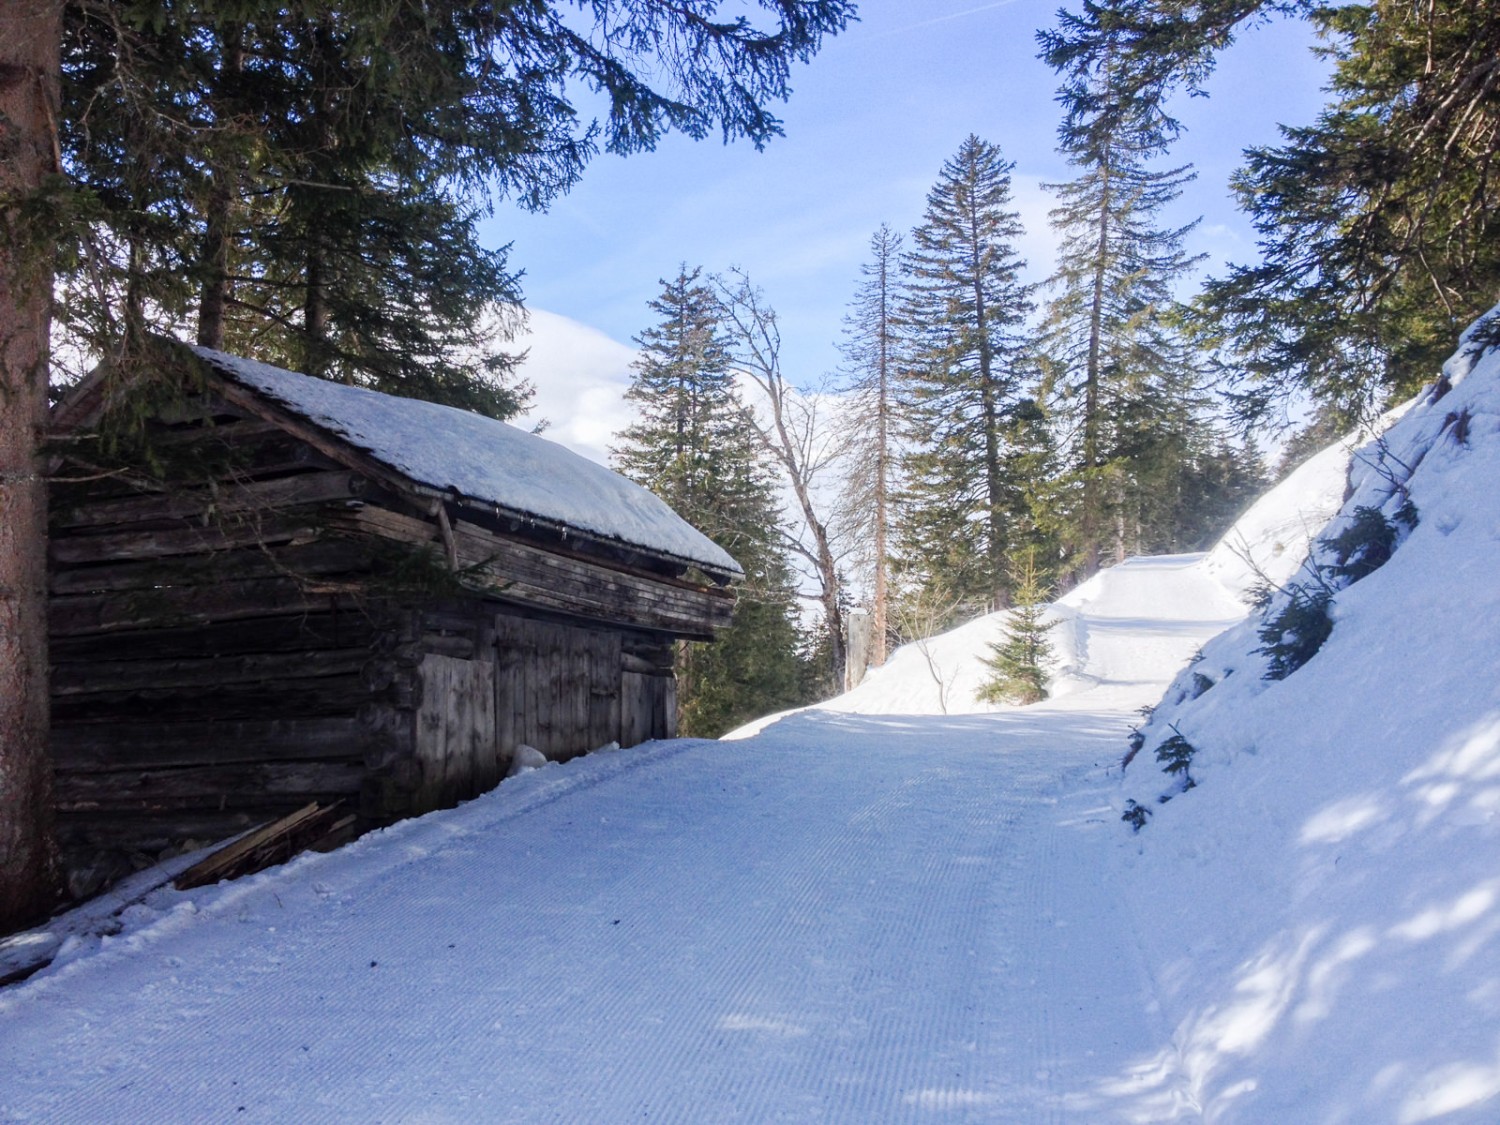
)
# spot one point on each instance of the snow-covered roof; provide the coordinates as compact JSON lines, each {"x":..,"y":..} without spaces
{"x":481,"y":459}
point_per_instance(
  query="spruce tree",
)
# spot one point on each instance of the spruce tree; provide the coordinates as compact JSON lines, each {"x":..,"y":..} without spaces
{"x":873,"y":347}
{"x":1018,"y":663}
{"x":691,"y":447}
{"x":1377,"y":222}
{"x":305,"y":180}
{"x":1122,"y":378}
{"x":965,"y":312}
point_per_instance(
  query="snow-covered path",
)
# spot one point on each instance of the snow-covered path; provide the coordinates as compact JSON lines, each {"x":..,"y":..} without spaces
{"x":847,"y":919}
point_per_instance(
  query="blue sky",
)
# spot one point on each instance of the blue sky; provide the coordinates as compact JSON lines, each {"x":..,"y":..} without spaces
{"x":868,"y":126}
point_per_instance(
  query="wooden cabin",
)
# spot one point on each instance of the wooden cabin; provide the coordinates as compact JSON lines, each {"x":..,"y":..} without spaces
{"x":268,"y":589}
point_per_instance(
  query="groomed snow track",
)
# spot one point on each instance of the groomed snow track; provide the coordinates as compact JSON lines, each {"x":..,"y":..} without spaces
{"x":847,"y":919}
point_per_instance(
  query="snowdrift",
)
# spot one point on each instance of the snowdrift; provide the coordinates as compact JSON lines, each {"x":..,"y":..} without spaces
{"x":1318,"y":879}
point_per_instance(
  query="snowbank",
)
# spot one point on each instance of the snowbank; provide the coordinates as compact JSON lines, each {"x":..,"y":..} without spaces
{"x":1323,"y":908}
{"x":1118,"y":638}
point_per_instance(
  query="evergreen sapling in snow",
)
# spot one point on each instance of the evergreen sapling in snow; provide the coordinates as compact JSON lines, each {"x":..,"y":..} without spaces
{"x":1018,"y":663}
{"x":1176,"y":756}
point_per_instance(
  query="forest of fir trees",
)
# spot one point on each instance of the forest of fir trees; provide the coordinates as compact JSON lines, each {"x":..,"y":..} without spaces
{"x":248,"y":176}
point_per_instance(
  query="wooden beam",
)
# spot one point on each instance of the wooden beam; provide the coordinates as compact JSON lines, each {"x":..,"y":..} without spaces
{"x":91,"y":748}
{"x":269,"y":844}
{"x":76,"y":614}
{"x":192,"y":788}
{"x":120,"y":546}
{"x":260,"y":496}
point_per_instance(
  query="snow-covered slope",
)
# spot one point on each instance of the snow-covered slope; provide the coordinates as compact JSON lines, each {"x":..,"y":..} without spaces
{"x":1323,"y":909}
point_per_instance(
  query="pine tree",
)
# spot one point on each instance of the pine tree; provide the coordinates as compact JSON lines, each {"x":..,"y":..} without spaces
{"x":873,"y":347}
{"x":1124,"y":385}
{"x":691,"y":447}
{"x":1377,"y":222}
{"x":1018,"y":663}
{"x":965,"y":310}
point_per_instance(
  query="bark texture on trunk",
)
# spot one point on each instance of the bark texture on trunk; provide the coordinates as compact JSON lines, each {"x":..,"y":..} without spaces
{"x":30,"y":45}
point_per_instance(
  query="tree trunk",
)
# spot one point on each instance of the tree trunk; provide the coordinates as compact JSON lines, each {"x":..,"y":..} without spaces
{"x":315,"y":316}
{"x":994,"y":477}
{"x":218,"y":227}
{"x":880,"y":624}
{"x":30,"y":50}
{"x":1091,"y":530}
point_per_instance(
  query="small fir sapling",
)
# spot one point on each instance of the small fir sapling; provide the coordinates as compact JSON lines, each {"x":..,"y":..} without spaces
{"x":1135,"y":815}
{"x":1018,"y":663}
{"x":1366,"y":544}
{"x":1293,"y":637}
{"x":1175,"y":756}
{"x":1258,"y":596}
{"x":1137,"y":738}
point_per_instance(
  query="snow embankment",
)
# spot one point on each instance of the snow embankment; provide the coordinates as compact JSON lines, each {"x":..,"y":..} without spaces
{"x":1322,"y":909}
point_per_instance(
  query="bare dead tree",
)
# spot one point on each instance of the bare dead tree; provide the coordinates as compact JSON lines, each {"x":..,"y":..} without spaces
{"x":922,"y":614}
{"x":872,"y":346}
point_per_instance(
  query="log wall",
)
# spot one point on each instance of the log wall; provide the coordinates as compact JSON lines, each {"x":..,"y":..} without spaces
{"x":227,"y":649}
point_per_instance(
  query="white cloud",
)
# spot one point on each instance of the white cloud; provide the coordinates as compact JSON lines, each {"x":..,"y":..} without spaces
{"x":581,"y":376}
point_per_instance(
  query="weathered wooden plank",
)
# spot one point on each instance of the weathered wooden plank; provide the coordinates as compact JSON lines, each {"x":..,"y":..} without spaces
{"x":231,"y":454}
{"x":507,"y":661}
{"x":602,"y":596}
{"x":214,"y":671}
{"x":282,"y":492}
{"x":225,"y":862}
{"x":151,"y":832}
{"x":272,"y":698}
{"x":455,"y":725}
{"x":95,"y":748}
{"x":313,"y":560}
{"x":74,"y":614}
{"x":250,"y":785}
{"x":604,"y":688}
{"x":71,"y":549}
{"x":637,"y":707}
{"x":632,"y":663}
{"x":523,"y":573}
{"x":345,"y":628}
{"x":667,"y":716}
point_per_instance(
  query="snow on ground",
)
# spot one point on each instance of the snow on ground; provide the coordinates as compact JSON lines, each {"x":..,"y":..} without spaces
{"x":898,"y":918}
{"x":1323,"y":909}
